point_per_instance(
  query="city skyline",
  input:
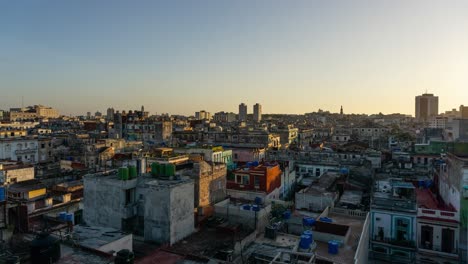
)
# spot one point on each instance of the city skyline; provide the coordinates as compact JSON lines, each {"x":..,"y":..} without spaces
{"x":174,"y":57}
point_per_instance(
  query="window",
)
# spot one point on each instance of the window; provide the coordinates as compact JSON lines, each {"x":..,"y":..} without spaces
{"x":257,"y":180}
{"x":42,"y":145}
{"x":243,"y":179}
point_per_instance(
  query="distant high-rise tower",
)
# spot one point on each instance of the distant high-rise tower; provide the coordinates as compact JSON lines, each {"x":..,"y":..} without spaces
{"x":257,"y":112}
{"x":142,"y":109}
{"x":341,"y":110}
{"x":110,"y":114}
{"x":427,"y":106}
{"x":242,"y":112}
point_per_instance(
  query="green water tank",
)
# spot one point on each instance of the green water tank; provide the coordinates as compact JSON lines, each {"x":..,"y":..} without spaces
{"x":132,"y":172}
{"x":170,"y":169}
{"x":162,"y":170}
{"x":155,"y":169}
{"x":123,"y":173}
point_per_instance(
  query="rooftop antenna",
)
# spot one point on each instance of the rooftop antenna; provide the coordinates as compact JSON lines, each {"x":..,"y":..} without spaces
{"x":22,"y":101}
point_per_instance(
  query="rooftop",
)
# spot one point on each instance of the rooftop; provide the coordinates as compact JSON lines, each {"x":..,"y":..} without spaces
{"x":347,"y":251}
{"x":94,"y":237}
{"x":26,"y":186}
{"x":208,"y":242}
{"x":427,"y":200}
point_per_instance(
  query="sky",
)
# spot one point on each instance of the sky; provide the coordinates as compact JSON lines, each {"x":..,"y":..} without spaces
{"x":179,"y":57}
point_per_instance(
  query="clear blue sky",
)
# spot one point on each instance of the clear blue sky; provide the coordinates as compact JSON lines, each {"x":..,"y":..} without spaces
{"x":184,"y":56}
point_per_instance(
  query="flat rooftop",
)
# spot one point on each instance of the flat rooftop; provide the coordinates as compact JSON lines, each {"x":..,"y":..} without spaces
{"x":207,"y":242}
{"x":427,"y":200}
{"x":74,"y":255}
{"x":95,"y":237}
{"x":346,"y":252}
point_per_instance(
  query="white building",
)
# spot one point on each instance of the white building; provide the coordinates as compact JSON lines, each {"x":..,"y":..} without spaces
{"x":438,"y":122}
{"x":19,"y":149}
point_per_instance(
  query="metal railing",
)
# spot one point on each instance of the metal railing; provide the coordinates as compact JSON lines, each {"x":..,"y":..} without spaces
{"x":395,"y":242}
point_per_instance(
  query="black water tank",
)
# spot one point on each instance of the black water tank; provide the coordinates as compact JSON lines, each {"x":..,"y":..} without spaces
{"x":45,"y":249}
{"x":124,"y":256}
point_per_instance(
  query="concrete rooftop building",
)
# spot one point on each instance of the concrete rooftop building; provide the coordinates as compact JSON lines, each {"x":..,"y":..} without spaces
{"x":159,"y":209}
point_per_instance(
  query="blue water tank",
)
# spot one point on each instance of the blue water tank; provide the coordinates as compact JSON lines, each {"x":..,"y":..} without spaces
{"x":69,"y":218}
{"x":326,"y":219}
{"x":305,"y":243}
{"x":287,"y":214}
{"x":344,"y":170}
{"x":309,"y":233}
{"x":308,"y":221}
{"x":2,"y":194}
{"x":246,"y":207}
{"x":255,"y":163}
{"x":428,"y":183}
{"x":255,"y":208}
{"x":421,"y":183}
{"x":258,"y":200}
{"x":332,"y":247}
{"x":63,"y":216}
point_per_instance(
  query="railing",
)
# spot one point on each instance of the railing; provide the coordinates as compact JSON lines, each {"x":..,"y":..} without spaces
{"x":389,"y":258}
{"x":394,"y":204}
{"x":347,"y":212}
{"x":423,"y":246}
{"x":395,"y":242}
{"x":26,"y":151}
{"x":440,"y":214}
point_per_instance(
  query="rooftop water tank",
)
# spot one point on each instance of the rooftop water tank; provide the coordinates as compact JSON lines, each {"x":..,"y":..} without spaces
{"x":155,"y":169}
{"x":308,"y":221}
{"x":305,"y":242}
{"x":132,"y":171}
{"x":123,"y":173}
{"x":2,"y":194}
{"x":332,"y":247}
{"x":326,"y":219}
{"x":287,"y":214}
{"x":309,"y":233}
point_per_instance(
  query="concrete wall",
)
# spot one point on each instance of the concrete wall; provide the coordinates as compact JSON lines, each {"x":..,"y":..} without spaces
{"x":362,"y":251}
{"x":104,"y":201}
{"x":168,"y":212}
{"x":237,"y":215}
{"x":182,"y":217}
{"x":17,"y":175}
{"x":247,"y":195}
{"x":315,"y":202}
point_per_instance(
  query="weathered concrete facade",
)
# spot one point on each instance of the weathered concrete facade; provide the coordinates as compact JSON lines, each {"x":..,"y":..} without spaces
{"x":162,"y":210}
{"x":210,"y":183}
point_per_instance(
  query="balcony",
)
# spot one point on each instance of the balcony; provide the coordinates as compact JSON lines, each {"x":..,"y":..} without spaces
{"x":389,"y":258}
{"x":431,"y":249}
{"x":439,"y":214}
{"x":395,"y":242}
{"x":26,"y":151}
